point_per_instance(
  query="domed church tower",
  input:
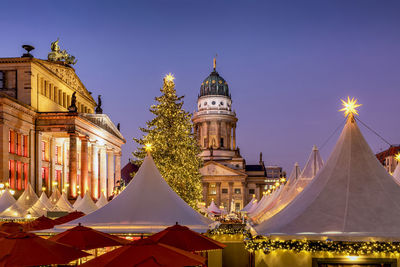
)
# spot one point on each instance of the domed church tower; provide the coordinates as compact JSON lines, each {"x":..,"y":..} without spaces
{"x":215,"y":122}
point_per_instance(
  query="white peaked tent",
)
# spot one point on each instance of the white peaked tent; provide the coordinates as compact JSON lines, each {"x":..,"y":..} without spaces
{"x":55,"y":197}
{"x":86,"y":204}
{"x":147,"y":205}
{"x":102,"y":201}
{"x":6,"y":200}
{"x":269,"y":200}
{"x":63,"y":204}
{"x":28,"y":198}
{"x":353,"y":196}
{"x":255,"y":205}
{"x":293,"y":177}
{"x":77,"y":201}
{"x":264,"y":205}
{"x":396,"y":173}
{"x":249,"y":205}
{"x":313,"y":165}
{"x":41,"y":206}
{"x":213,"y":208}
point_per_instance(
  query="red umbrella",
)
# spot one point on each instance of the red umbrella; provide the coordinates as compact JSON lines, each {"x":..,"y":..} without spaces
{"x":146,"y":252}
{"x":40,"y":223}
{"x":11,"y":227}
{"x":182,"y":237}
{"x":28,"y":249}
{"x":69,"y":217}
{"x":3,"y":234}
{"x":87,"y":238}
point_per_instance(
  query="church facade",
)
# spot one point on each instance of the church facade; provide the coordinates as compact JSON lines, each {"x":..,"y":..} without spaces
{"x":51,"y":135}
{"x":226,"y":177}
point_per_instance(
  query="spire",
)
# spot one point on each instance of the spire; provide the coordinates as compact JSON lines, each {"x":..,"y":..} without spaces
{"x":215,"y":62}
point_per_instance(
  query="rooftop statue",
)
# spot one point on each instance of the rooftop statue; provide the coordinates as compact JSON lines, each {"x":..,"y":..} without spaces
{"x":57,"y":54}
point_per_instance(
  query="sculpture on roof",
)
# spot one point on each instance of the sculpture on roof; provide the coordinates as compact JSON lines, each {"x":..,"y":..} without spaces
{"x":72,"y":107}
{"x":57,"y":54}
{"x":99,"y":110}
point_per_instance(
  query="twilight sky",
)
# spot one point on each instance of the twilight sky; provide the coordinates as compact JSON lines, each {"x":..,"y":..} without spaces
{"x":287,"y":63}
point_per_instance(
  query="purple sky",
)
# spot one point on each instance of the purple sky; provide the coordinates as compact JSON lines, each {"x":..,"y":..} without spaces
{"x":287,"y":62}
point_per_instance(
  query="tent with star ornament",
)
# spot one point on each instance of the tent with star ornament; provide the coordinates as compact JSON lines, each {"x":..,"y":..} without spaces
{"x":147,"y":205}
{"x":352,"y":196}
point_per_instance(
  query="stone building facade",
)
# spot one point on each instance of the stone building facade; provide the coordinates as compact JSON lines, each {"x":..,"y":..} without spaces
{"x":45,"y":144}
{"x":226,"y":177}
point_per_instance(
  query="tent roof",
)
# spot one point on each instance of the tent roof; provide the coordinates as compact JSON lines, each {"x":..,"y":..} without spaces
{"x":28,"y":198}
{"x":249,"y":205}
{"x":86,"y":205}
{"x":77,"y":201}
{"x":294,"y":186}
{"x":102,"y":200}
{"x":396,"y":173}
{"x":352,"y":195}
{"x":63,"y":204}
{"x":213,"y":208}
{"x":146,"y":205}
{"x":55,"y":197}
{"x":6,"y":200}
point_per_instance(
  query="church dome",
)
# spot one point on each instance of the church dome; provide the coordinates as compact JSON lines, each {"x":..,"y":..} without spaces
{"x":214,"y":85}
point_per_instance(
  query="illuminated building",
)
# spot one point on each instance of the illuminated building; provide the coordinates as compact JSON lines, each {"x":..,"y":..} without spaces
{"x":225,"y":175}
{"x":45,"y":141}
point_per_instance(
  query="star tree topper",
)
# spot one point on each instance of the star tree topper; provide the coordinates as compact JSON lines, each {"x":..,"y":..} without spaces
{"x":350,"y":107}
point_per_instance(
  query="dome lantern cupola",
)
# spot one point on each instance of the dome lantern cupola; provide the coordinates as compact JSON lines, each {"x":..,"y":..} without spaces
{"x":214,"y":84}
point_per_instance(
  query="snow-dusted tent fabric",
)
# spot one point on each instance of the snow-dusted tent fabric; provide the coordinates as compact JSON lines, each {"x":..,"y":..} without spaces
{"x":28,"y":198}
{"x":352,"y":196}
{"x":86,"y":204}
{"x":313,"y":165}
{"x":396,"y":173}
{"x":146,"y":205}
{"x":213,"y":208}
{"x":77,"y":201}
{"x":252,"y":202}
{"x":63,"y":204}
{"x":55,"y":197}
{"x":102,"y":200}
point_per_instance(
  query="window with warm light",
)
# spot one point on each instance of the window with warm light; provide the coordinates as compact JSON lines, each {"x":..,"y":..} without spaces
{"x":237,"y":190}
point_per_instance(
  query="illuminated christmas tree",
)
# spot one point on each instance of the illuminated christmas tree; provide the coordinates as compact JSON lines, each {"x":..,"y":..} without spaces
{"x":173,"y":144}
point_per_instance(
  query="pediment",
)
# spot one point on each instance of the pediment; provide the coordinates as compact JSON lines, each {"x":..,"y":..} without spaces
{"x":103,"y":121}
{"x":212,"y":168}
{"x":68,"y":76}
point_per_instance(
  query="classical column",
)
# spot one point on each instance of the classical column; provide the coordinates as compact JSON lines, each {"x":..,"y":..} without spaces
{"x":65,"y":167}
{"x":85,"y":185}
{"x":32,"y":156}
{"x":218,"y":188}
{"x":103,"y":171}
{"x":4,"y":132}
{"x":118,"y":168}
{"x":218,"y":143}
{"x":53,"y":160}
{"x":234,"y":137}
{"x":110,"y":171}
{"x":244,"y":195}
{"x":38,"y":156}
{"x":205,"y":192}
{"x":230,"y":192}
{"x":73,"y":163}
{"x":228,"y":135}
{"x":95,"y":171}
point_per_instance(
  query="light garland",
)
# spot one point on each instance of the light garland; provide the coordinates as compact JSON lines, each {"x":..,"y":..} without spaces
{"x":228,"y":231}
{"x":340,"y":247}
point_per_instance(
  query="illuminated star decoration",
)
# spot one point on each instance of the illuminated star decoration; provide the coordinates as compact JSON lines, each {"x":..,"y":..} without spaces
{"x":350,"y":107}
{"x":397,"y":157}
{"x":147,"y":147}
{"x":169,"y":78}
